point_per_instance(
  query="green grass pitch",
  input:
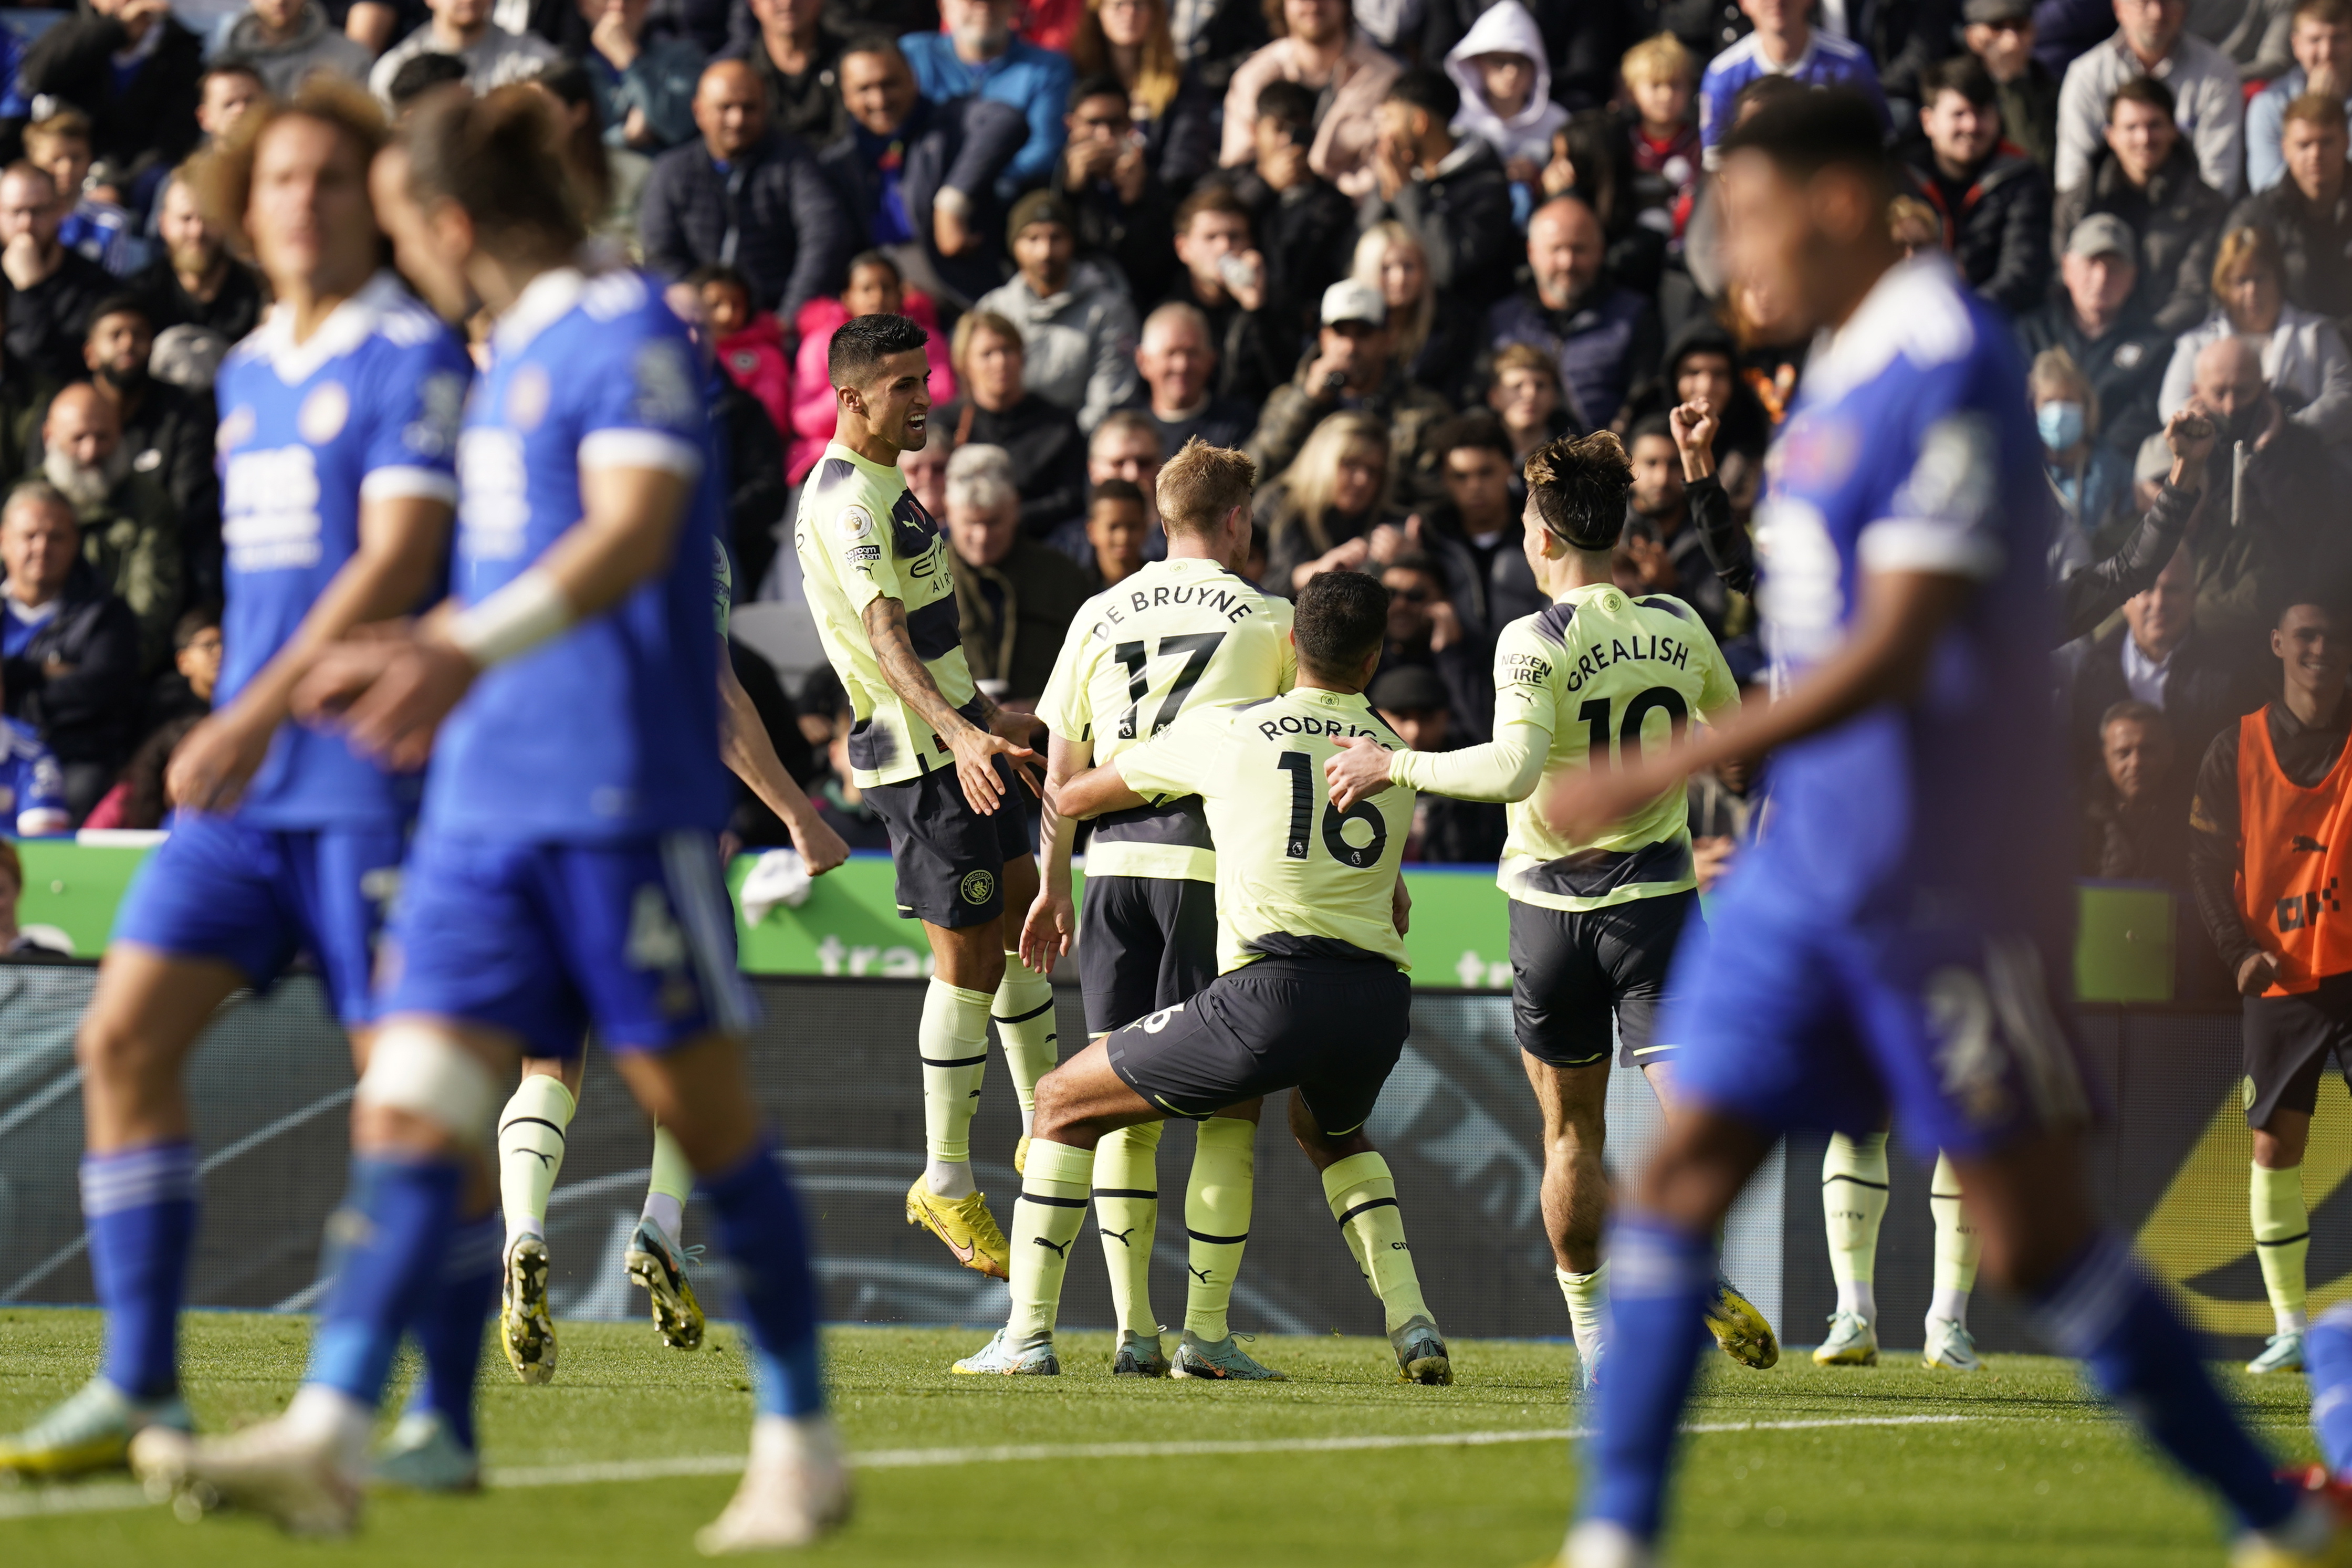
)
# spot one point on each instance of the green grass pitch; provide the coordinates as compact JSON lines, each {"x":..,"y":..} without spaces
{"x":1887,"y":1468}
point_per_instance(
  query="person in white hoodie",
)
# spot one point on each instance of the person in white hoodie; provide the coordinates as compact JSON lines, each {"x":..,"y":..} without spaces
{"x":1505,"y":84}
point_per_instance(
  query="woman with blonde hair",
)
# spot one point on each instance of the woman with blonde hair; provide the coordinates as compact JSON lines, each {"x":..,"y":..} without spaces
{"x":1173,"y":112}
{"x":2304,"y":356}
{"x":1321,"y":514}
{"x":2090,"y":477}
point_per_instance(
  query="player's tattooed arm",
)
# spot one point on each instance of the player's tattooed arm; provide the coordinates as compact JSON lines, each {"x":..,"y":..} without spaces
{"x":1053,"y":919}
{"x":976,"y":746}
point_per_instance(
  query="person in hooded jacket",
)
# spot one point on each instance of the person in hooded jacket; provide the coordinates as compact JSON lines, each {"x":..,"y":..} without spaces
{"x":1505,"y":83}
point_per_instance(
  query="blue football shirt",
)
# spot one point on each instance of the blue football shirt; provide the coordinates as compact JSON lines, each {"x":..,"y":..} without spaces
{"x":1911,"y":447}
{"x":610,"y":731}
{"x":32,"y":786}
{"x":368,"y":407}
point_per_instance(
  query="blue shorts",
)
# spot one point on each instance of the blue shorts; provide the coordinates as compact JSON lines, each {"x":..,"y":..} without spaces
{"x":254,"y":898}
{"x":636,"y":938}
{"x":1789,"y":1023}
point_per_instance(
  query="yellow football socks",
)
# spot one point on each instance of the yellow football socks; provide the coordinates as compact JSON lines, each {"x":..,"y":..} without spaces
{"x":1048,"y":1219}
{"x":1854,"y":1202}
{"x":1217,"y":1220}
{"x":530,"y":1150}
{"x":1363,"y":1200}
{"x":2281,"y":1242}
{"x":670,"y":1185}
{"x":1127,"y":1217}
{"x":1957,"y":1245}
{"x":1024,"y":1011}
{"x":952,"y":1041}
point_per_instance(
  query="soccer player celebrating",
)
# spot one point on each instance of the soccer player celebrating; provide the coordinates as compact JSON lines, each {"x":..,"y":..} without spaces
{"x":564,"y":874}
{"x":1885,"y":946}
{"x":338,"y":442}
{"x":934,"y":756}
{"x":1179,"y":632}
{"x":2270,"y":820}
{"x":1312,"y":996}
{"x":1594,"y":682}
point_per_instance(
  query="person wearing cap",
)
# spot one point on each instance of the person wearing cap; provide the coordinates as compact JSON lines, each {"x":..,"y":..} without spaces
{"x":2151,"y":41}
{"x":1603,"y":336}
{"x":2319,"y":37}
{"x":1077,"y":323}
{"x":2309,"y":213}
{"x":1999,"y":33}
{"x":2101,"y":322}
{"x":1444,"y":831}
{"x":2148,"y":178}
{"x":1350,"y":366}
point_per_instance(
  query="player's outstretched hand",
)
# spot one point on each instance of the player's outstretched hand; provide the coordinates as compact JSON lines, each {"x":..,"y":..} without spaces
{"x":2257,"y":975}
{"x":976,"y":750}
{"x":1046,"y":935}
{"x":214,"y":761}
{"x":1023,"y":729}
{"x":1361,"y":768}
{"x":821,"y":849}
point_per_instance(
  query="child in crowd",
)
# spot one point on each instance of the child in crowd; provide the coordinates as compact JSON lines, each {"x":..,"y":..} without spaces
{"x":875,"y":289}
{"x":749,"y":343}
{"x":1524,"y":395}
{"x":1116,"y":528}
{"x":1505,"y":83}
{"x":1665,"y":133}
{"x":100,"y":230}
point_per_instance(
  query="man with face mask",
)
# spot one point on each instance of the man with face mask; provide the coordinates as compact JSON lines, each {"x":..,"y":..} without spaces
{"x":167,"y":431}
{"x":129,"y":534}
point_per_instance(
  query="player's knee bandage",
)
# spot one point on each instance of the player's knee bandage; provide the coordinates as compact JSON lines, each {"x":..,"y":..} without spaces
{"x":427,"y":1074}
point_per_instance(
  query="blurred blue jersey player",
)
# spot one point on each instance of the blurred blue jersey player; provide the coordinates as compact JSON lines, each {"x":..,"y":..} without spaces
{"x":1886,"y":947}
{"x":338,"y":440}
{"x":565,"y":873}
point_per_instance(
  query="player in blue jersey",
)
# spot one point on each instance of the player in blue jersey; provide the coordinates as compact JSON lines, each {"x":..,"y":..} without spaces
{"x":565,"y":873}
{"x":337,"y":437}
{"x":1887,"y":945}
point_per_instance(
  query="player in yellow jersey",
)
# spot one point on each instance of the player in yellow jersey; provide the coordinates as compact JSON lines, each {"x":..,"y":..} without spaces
{"x":1600,"y":675}
{"x":934,"y":757}
{"x":1311,"y":995}
{"x":1180,"y":633}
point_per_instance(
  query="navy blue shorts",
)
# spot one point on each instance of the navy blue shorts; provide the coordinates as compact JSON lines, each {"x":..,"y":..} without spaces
{"x":1789,"y":1023}
{"x":635,"y":938}
{"x":255,"y":897}
{"x":1144,"y":943}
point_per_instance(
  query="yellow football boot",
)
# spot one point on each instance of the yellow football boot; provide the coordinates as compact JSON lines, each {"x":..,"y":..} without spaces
{"x":966,"y":1225}
{"x":1741,"y":1329}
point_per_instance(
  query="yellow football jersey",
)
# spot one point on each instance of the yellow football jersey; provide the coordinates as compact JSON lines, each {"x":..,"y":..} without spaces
{"x":1175,"y":635}
{"x":862,"y":535}
{"x":1294,"y":876}
{"x":1605,"y":674}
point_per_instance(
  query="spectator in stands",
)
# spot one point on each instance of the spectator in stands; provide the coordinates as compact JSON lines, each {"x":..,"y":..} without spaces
{"x":745,"y":195}
{"x":32,"y":797}
{"x":747,"y":342}
{"x":1116,"y":527}
{"x":1349,"y":367}
{"x":1659,"y":532}
{"x":1503,"y":73}
{"x":645,"y":84}
{"x":2092,"y":478}
{"x":167,"y":432}
{"x":1015,"y":596}
{"x":1426,"y":633}
{"x":1602,"y":335}
{"x":129,"y":534}
{"x":1129,"y":40}
{"x":1413,"y":702}
{"x":1526,"y":396}
{"x":876,"y":288}
{"x":2257,"y":36}
{"x":797,"y":56}
{"x":2277,"y":511}
{"x":1449,"y":192}
{"x":1473,"y":528}
{"x":2304,"y":355}
{"x":132,"y":68}
{"x":186,"y":691}
{"x":979,"y":55}
{"x":285,"y":40}
{"x":1305,"y":229}
{"x":919,"y":177}
{"x":51,"y":288}
{"x":1784,"y":43}
{"x":2309,"y":213}
{"x":69,"y":648}
{"x":2160,"y":657}
{"x":1126,"y":446}
{"x":1077,"y":323}
{"x":2135,"y":819}
{"x":611,"y":178}
{"x":1122,"y":214}
{"x":927,"y":475}
{"x":227,"y":89}
{"x":141,"y":798}
{"x":463,"y":29}
{"x":422,"y":73}
{"x":2000,"y":34}
{"x":2148,"y":178}
{"x":2151,"y":43}
{"x":196,"y":282}
{"x":1702,"y":366}
{"x":1320,"y":47}
{"x":1991,"y":201}
{"x":2321,"y":42}
{"x":98,"y":229}
{"x":1319,"y":515}
{"x":1178,"y":364}
{"x":997,"y":409}
{"x":1660,"y":132}
{"x":1435,"y":344}
{"x":2104,"y":326}
{"x":1226,"y":278}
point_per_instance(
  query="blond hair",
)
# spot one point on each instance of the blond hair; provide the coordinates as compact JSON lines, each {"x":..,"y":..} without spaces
{"x":2054,"y":371}
{"x":222,"y":175}
{"x":66,"y":123}
{"x":1659,"y":57}
{"x":971,"y":325}
{"x":1313,"y":477}
{"x":1158,"y":74}
{"x":1201,"y":484}
{"x":1409,"y":330}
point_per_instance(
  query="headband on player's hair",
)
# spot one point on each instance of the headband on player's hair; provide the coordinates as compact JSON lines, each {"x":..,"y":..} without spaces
{"x":1578,"y":484}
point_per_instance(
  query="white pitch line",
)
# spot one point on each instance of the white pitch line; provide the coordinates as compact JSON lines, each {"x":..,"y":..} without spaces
{"x":109,"y":1498}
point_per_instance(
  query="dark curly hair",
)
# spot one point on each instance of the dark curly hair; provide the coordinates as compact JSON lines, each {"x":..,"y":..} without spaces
{"x":1578,"y":484}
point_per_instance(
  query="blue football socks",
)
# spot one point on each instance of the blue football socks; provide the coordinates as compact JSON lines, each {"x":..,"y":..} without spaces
{"x":386,"y":1242}
{"x":1660,"y":1279}
{"x":761,"y":1231}
{"x":140,"y":1206}
{"x":448,"y":1331}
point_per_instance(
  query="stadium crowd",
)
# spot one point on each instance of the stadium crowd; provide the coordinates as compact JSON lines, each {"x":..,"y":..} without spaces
{"x":1386,"y":251}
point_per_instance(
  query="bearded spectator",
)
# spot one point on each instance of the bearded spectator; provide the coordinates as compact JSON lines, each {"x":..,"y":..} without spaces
{"x":196,"y":282}
{"x":129,"y":534}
